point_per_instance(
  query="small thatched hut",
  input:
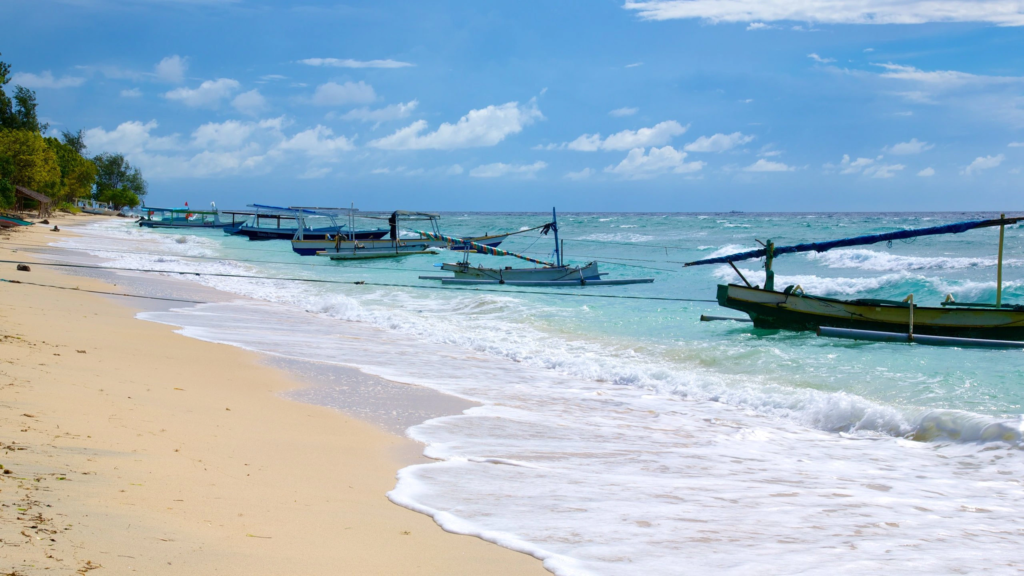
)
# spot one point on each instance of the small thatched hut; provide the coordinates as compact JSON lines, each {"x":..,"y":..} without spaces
{"x":22,"y":194}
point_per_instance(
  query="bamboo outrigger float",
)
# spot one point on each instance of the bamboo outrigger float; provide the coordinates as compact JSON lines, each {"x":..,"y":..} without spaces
{"x":952,"y":323}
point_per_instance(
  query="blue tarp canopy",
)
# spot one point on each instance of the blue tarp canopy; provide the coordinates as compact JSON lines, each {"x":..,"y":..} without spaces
{"x":859,"y":240}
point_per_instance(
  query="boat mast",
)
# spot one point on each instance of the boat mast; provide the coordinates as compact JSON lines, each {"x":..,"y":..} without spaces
{"x":999,"y":266}
{"x":769,"y":274}
{"x":554,"y":226}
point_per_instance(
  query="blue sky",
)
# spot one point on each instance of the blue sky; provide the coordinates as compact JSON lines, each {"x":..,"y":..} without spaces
{"x":600,"y":105}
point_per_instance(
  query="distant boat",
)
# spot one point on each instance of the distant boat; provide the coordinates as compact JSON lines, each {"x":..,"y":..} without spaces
{"x":952,"y":323}
{"x":96,"y":208}
{"x":548,"y":274}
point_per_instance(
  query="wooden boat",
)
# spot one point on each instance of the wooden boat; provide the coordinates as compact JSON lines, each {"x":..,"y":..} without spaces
{"x":255,"y":228}
{"x":180,"y":218}
{"x":548,"y":274}
{"x":311,"y":243}
{"x":346,"y":247}
{"x":13,"y":222}
{"x":792,"y":309}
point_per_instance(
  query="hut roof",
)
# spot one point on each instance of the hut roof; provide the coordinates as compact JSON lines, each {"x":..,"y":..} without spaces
{"x":22,"y":191}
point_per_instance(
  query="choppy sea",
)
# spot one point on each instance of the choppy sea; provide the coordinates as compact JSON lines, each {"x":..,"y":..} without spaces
{"x":624,"y":436}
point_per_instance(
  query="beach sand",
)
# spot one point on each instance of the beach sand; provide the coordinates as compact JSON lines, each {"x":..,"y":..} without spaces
{"x":129,"y":448}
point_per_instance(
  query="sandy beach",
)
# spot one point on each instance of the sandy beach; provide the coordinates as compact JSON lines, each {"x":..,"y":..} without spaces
{"x":129,"y":448}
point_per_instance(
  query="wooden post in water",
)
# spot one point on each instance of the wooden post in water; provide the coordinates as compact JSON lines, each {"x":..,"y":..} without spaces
{"x":999,"y":267}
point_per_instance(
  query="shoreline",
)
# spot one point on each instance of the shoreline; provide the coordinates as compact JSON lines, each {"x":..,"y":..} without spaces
{"x":190,"y":455}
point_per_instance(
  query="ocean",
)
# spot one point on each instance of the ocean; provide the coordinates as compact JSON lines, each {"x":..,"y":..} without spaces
{"x":623,"y":435}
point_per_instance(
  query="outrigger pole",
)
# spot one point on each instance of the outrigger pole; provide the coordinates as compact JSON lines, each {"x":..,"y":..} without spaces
{"x":858,"y":241}
{"x":482,"y":248}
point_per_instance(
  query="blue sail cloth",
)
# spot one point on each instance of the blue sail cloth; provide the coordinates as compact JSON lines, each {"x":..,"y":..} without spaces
{"x":859,"y":240}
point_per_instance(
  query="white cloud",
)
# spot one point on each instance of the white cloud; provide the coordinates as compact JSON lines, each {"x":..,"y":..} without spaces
{"x":847,"y":167}
{"x":251,"y":103}
{"x":455,"y":170}
{"x":914,"y":146}
{"x":763,"y":165}
{"x":171,"y":69}
{"x":658,"y":161}
{"x":718,"y":142}
{"x":230,"y":134}
{"x":819,"y":59}
{"x":883,"y":170}
{"x":659,"y":134}
{"x":619,"y":112}
{"x":317,"y":141}
{"x":484,"y":127}
{"x":500,"y":169}
{"x":983,"y":163}
{"x":273,"y":77}
{"x":634,"y":64}
{"x":940,"y":78}
{"x":45,"y":79}
{"x":391,"y":112}
{"x":758,"y":26}
{"x":349,"y":63}
{"x":334,"y":94}
{"x":581,"y":175}
{"x":1016,"y":144}
{"x":1001,"y":12}
{"x":131,"y":93}
{"x":869,"y":50}
{"x":927,"y":172}
{"x":208,"y":94}
{"x":220,"y":149}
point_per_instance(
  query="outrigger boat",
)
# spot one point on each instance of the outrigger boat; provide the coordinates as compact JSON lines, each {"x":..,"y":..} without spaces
{"x":252,"y":229}
{"x":951,"y":323}
{"x":348,"y":245}
{"x":180,"y":218}
{"x":549,"y":274}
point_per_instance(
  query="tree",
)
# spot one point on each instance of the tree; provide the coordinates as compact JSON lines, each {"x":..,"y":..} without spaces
{"x":6,"y":186}
{"x":77,"y":174}
{"x":75,"y":140}
{"x":35,"y":164}
{"x":21,"y":113}
{"x":114,"y":173}
{"x":119,"y":198}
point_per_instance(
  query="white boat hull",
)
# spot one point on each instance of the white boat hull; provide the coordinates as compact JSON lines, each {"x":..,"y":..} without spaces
{"x":542,"y":274}
{"x":364,"y":249}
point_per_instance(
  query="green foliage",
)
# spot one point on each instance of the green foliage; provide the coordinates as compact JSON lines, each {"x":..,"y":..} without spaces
{"x":6,"y":187}
{"x":119,"y":198}
{"x":19,"y":114}
{"x":115,"y":173}
{"x":35,"y":164}
{"x":75,"y":140}
{"x":77,"y":174}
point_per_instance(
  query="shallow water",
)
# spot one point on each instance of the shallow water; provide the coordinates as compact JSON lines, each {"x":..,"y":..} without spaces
{"x":625,"y":436}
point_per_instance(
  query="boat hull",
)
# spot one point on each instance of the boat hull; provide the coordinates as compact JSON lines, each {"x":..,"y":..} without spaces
{"x":11,"y":222}
{"x":362,"y":250}
{"x":310,"y":247}
{"x":778,"y":310}
{"x":540,"y":274}
{"x":159,"y":224}
{"x":257,"y":233}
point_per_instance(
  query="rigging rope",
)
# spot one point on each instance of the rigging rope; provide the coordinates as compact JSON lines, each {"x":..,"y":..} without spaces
{"x":355,"y":282}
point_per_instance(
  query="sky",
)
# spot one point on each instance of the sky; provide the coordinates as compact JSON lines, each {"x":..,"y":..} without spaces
{"x":596,"y":105}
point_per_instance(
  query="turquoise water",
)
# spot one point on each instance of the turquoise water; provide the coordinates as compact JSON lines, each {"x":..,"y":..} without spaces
{"x":655,"y":419}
